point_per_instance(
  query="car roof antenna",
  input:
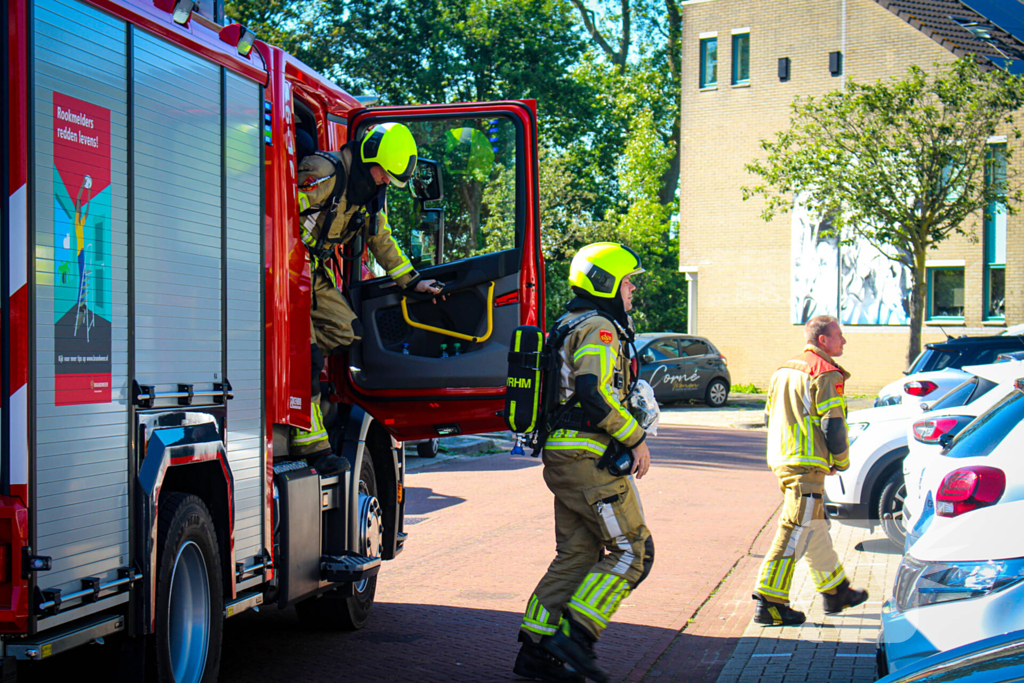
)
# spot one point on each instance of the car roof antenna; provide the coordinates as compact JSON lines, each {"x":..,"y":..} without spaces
{"x":948,"y":338}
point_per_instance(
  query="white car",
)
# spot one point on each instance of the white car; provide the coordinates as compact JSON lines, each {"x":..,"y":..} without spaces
{"x":981,"y":466}
{"x":930,"y":433}
{"x":872,"y":490}
{"x":920,"y":387}
{"x":961,"y":583}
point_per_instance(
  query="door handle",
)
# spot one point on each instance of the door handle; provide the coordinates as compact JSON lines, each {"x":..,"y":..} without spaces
{"x":451,"y":333}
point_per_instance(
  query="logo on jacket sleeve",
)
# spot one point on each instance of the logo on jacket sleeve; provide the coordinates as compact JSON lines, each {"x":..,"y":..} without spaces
{"x":839,"y":388}
{"x":606,"y":336}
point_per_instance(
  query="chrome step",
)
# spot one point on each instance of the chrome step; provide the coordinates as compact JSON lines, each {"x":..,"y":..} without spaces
{"x":346,"y":568}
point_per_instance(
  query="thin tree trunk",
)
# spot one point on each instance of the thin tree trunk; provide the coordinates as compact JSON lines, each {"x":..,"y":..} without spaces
{"x":918,"y":300}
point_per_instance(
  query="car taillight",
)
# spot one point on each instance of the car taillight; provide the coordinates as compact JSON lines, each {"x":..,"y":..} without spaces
{"x":931,"y":430}
{"x":725,"y":361}
{"x":920,"y":388}
{"x":969,"y":488}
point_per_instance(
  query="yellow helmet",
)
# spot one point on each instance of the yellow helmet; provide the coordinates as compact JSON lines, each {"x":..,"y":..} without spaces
{"x":599,"y":268}
{"x":392,"y":147}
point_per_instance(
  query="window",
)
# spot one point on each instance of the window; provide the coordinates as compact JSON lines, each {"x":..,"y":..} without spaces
{"x":945,"y":293}
{"x":995,"y":235}
{"x":709,"y":62}
{"x":741,"y":59}
{"x":693,"y":347}
{"x":479,"y":212}
{"x":663,"y":350}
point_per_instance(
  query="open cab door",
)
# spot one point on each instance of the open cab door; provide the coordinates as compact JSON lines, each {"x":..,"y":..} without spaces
{"x":468,"y":219}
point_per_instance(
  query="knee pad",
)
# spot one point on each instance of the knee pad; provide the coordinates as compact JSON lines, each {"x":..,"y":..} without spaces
{"x":648,"y":560}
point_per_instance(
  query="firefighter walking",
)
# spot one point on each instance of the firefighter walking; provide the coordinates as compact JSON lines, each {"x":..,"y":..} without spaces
{"x":807,"y":441}
{"x":335,"y":213}
{"x":597,"y":506}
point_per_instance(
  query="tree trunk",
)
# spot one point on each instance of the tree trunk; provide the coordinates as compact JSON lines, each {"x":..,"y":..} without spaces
{"x":918,"y":301}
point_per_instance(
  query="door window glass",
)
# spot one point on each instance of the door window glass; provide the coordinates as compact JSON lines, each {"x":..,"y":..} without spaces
{"x":663,"y":350}
{"x":479,"y":210}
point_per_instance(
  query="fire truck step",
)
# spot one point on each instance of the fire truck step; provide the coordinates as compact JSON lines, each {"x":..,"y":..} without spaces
{"x":350,"y":567}
{"x":67,"y":638}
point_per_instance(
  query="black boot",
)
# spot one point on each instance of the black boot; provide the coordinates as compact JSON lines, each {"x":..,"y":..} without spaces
{"x":776,"y":614}
{"x":844,"y":597}
{"x":575,"y":646}
{"x":537,"y":664}
{"x":327,"y":464}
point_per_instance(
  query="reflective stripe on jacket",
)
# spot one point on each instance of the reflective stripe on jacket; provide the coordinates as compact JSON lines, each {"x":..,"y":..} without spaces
{"x":596,"y":348}
{"x":382,"y":245}
{"x":801,"y":393}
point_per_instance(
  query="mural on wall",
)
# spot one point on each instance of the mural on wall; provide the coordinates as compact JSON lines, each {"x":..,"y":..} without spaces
{"x":856,"y":283}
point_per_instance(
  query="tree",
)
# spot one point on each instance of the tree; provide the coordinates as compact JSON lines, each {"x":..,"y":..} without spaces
{"x":901,"y":164}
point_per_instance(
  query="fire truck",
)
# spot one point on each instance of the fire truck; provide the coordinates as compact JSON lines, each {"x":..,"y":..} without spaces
{"x":155,"y":335}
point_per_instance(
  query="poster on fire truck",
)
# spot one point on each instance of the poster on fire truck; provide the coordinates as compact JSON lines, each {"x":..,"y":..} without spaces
{"x":82,"y":287}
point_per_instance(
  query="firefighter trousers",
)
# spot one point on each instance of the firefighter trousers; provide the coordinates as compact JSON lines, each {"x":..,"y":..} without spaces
{"x":803,"y":531}
{"x":594,"y":512}
{"x":333,"y":327}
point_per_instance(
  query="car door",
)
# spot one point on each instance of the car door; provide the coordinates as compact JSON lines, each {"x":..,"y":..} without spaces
{"x":661,"y":367}
{"x":436,"y":368}
{"x":695,"y":367}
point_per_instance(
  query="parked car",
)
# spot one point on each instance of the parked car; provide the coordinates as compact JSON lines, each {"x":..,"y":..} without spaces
{"x":872,"y":490}
{"x":920,"y":387}
{"x":930,"y":433}
{"x":980,"y":467}
{"x":954,"y":353}
{"x":682,"y":366}
{"x":997,"y":659}
{"x":960,"y":583}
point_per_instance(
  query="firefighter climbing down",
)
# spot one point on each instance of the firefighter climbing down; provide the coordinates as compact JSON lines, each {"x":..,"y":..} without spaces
{"x":596,"y":509}
{"x":342,"y":199}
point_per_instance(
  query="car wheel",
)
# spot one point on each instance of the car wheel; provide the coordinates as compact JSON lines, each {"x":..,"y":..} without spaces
{"x":429,"y":448}
{"x":717,"y":393}
{"x":890,"y":508}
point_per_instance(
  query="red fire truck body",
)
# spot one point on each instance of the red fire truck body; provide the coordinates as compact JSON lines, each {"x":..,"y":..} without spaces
{"x":155,"y":335}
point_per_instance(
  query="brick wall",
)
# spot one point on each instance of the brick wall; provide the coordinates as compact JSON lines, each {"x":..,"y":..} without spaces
{"x":742,"y":262}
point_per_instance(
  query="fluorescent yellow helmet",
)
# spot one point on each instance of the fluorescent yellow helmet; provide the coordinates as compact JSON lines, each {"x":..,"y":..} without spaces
{"x":392,"y":147}
{"x":599,"y":268}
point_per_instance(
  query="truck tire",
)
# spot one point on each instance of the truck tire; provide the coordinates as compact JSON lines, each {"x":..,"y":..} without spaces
{"x":330,"y":611}
{"x":189,"y":593}
{"x":890,"y":508}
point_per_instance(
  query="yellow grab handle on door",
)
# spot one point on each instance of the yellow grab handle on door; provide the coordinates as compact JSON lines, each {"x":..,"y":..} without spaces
{"x":450,"y":333}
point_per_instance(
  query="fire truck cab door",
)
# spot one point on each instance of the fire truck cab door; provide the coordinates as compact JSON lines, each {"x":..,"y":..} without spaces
{"x":481,"y":240}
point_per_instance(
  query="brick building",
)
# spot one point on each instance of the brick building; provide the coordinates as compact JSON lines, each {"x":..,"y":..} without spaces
{"x":753,"y":283}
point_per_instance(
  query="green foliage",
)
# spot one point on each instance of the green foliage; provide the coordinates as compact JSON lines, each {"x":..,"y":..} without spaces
{"x":901,"y":164}
{"x":745,"y":389}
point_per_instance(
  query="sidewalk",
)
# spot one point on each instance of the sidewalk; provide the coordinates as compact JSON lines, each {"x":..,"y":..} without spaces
{"x":825,"y":649}
{"x":743,"y":411}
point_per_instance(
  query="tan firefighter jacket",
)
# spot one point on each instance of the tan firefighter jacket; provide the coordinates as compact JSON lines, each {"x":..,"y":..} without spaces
{"x":382,"y":245}
{"x":802,"y":392}
{"x":597,"y":348}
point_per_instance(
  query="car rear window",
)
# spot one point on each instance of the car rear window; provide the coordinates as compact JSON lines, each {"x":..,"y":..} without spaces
{"x":931,"y":360}
{"x":964,"y":394}
{"x":986,"y":356}
{"x":983,"y":435}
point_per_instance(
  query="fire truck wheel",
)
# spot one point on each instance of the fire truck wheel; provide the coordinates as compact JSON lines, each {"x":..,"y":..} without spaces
{"x":189,"y":594}
{"x":334,"y":613}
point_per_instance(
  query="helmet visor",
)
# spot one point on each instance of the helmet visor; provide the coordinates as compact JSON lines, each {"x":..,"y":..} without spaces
{"x":402,"y":179}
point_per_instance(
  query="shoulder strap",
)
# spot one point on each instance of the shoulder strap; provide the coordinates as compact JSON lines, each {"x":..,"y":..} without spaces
{"x":340,"y":182}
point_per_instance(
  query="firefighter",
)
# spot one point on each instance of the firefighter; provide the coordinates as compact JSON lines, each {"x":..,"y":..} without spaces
{"x":806,"y":416}
{"x":597,"y":506}
{"x":386,"y":155}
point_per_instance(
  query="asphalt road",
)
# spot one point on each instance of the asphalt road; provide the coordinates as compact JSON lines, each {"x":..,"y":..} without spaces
{"x":481,"y":535}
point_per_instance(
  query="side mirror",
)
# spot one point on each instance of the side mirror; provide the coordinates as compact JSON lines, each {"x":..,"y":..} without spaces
{"x":647,"y":357}
{"x":945,"y":440}
{"x":428,"y":239}
{"x":426,"y":185}
{"x":925,"y":406}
